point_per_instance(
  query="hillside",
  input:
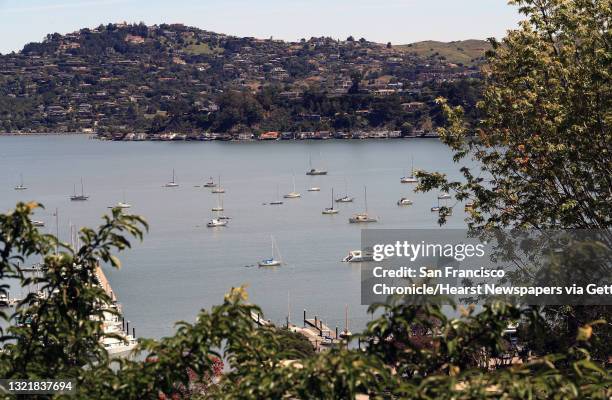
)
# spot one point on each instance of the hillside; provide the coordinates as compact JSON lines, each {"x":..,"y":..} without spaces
{"x":120,"y":78}
{"x":467,"y":52}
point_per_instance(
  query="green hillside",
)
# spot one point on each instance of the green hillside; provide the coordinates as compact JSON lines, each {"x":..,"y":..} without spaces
{"x":462,"y":51}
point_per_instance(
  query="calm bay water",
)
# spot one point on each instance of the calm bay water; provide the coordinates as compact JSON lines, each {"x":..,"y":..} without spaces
{"x":182,"y":266}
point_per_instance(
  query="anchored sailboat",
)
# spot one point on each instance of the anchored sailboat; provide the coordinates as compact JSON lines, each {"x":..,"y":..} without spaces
{"x":21,"y":185}
{"x":293,"y":194}
{"x":79,"y":197}
{"x":218,"y":188}
{"x":271,"y":262}
{"x":363,"y":217}
{"x":411,"y":178}
{"x":122,"y":204}
{"x":346,"y":198}
{"x":172,"y":183}
{"x":314,"y":171}
{"x":210,"y":183}
{"x":331,"y":210}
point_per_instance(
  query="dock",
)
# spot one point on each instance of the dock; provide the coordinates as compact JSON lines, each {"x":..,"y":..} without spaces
{"x":103,"y":281}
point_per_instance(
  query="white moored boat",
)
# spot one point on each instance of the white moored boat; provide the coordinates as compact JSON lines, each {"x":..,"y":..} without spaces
{"x":314,"y":171}
{"x":331,"y":210}
{"x":355,"y":256}
{"x":210,"y":183}
{"x":79,"y":197}
{"x":314,"y":189}
{"x":271,"y":262}
{"x":411,"y":178}
{"x":172,"y":183}
{"x":444,"y":196}
{"x":363,"y":217}
{"x":293,"y":194}
{"x":21,"y":186}
{"x":404,"y":201}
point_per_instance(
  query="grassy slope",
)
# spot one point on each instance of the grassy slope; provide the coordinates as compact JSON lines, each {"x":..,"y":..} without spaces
{"x":463,"y":51}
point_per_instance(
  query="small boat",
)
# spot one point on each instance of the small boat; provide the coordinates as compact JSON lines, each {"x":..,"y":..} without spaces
{"x":346,"y":198}
{"x":210,"y":183}
{"x":122,"y":204}
{"x":293,"y":194}
{"x":331,"y":210}
{"x":469,"y":206}
{"x":37,"y":223}
{"x":355,"y":256}
{"x":411,"y":178}
{"x":218,"y":188}
{"x":346,"y":333}
{"x":172,"y":183}
{"x":271,"y":262}
{"x":436,"y":208}
{"x":4,"y":300}
{"x":404,"y":201}
{"x":314,"y":189}
{"x":21,"y":186}
{"x":315,"y":171}
{"x":444,"y":196}
{"x":216,"y":222}
{"x":79,"y":197}
{"x":363,"y":217}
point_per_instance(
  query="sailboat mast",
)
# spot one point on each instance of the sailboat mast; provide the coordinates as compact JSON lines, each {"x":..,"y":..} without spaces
{"x":332,"y":199}
{"x":365,"y":196}
{"x":82,"y":188}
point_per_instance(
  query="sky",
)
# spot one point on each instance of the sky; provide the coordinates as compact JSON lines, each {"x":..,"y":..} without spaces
{"x":397,"y":21}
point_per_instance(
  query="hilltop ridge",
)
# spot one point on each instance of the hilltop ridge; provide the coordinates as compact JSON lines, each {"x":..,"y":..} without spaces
{"x":125,"y":78}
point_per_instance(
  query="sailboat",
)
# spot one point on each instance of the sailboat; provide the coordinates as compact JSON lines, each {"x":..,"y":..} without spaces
{"x":314,"y":171}
{"x":436,"y":208}
{"x":346,"y":198}
{"x":218,"y":188}
{"x":271,"y":262}
{"x":122,"y":204}
{"x":172,"y":183}
{"x":278,"y":201}
{"x":331,"y":210}
{"x":411,"y":178}
{"x":363,"y":217}
{"x":20,"y":186}
{"x":345,"y":334}
{"x":79,"y":197}
{"x":294,"y":194}
{"x":210,"y":183}
{"x":444,"y":196}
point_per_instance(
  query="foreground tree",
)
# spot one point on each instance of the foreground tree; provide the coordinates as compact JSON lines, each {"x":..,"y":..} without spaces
{"x":542,"y":145}
{"x":57,"y":335}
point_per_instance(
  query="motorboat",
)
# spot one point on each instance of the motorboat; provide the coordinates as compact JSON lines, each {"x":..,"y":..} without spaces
{"x":355,"y":256}
{"x":404,"y":201}
{"x":345,"y":199}
{"x":172,"y":183}
{"x":79,"y":197}
{"x":331,"y":210}
{"x":210,"y":183}
{"x":216,"y":222}
{"x":271,"y":262}
{"x":361,"y":218}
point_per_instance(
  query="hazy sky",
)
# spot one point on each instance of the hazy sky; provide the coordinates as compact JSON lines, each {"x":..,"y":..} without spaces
{"x":398,"y":21}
